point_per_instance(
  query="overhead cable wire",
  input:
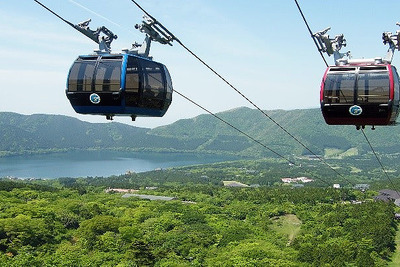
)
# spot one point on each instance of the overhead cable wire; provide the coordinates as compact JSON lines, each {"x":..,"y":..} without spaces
{"x":365,"y":136}
{"x":242,"y":132}
{"x":326,"y":64}
{"x":234,"y":127}
{"x":55,"y":14}
{"x":216,"y":116}
{"x":239,"y":92}
{"x":213,"y":114}
{"x":311,"y":33}
{"x":380,"y":162}
{"x":362,"y":130}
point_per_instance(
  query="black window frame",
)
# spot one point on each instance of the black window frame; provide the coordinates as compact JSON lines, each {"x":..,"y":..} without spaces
{"x":79,"y":69}
{"x":111,"y":80}
{"x":366,"y":85}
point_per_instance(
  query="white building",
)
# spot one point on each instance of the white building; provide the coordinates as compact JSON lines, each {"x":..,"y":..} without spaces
{"x":296,"y":180}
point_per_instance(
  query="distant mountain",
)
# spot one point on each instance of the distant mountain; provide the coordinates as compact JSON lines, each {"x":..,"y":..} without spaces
{"x":307,"y":125}
{"x":21,"y":134}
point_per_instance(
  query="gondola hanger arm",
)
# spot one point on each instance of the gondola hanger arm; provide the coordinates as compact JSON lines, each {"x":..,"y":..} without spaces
{"x":154,"y":32}
{"x":393,"y":41}
{"x":331,"y":46}
{"x":102,"y":35}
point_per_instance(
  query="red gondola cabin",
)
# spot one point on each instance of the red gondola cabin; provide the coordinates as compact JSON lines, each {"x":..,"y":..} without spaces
{"x":360,"y":94}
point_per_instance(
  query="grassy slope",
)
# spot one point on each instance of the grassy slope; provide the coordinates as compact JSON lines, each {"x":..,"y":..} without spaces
{"x":288,"y":225}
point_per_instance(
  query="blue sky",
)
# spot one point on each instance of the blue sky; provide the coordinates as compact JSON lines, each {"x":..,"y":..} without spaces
{"x":262,"y":47}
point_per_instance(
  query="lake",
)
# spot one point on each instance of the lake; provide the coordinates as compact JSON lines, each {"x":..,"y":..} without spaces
{"x":97,"y":163}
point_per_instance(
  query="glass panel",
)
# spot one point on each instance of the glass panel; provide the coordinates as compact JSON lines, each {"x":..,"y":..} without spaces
{"x":339,"y":88}
{"x":396,"y":81}
{"x":153,"y":85}
{"x":108,"y":75}
{"x":373,"y":87}
{"x":396,"y":84}
{"x":132,"y":83}
{"x":132,"y":76}
{"x":153,"y":80}
{"x":81,"y":76}
{"x":169,"y":85}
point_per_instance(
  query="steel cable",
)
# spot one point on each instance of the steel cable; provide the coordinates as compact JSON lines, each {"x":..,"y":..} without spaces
{"x":240,"y":93}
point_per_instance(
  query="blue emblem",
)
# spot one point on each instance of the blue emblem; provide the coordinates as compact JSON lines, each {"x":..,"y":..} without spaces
{"x":94,"y":98}
{"x":355,"y":110}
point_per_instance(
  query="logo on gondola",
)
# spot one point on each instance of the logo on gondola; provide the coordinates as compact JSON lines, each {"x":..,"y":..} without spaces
{"x":94,"y":98}
{"x":355,"y":110}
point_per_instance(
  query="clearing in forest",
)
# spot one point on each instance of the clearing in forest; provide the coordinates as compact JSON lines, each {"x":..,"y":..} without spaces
{"x":288,"y":225}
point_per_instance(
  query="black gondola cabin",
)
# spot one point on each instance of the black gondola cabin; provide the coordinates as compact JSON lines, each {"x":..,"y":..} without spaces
{"x":119,"y":84}
{"x":360,"y":94}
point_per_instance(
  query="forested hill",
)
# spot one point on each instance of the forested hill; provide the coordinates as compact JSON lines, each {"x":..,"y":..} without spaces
{"x":42,"y":133}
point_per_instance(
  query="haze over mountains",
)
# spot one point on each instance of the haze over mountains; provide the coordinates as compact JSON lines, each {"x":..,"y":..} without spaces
{"x":20,"y":134}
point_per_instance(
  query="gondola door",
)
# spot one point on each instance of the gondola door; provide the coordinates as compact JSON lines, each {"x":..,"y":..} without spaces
{"x":107,"y":82}
{"x":132,"y":83}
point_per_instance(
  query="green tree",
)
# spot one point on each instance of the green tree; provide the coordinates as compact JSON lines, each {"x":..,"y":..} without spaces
{"x":22,"y":231}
